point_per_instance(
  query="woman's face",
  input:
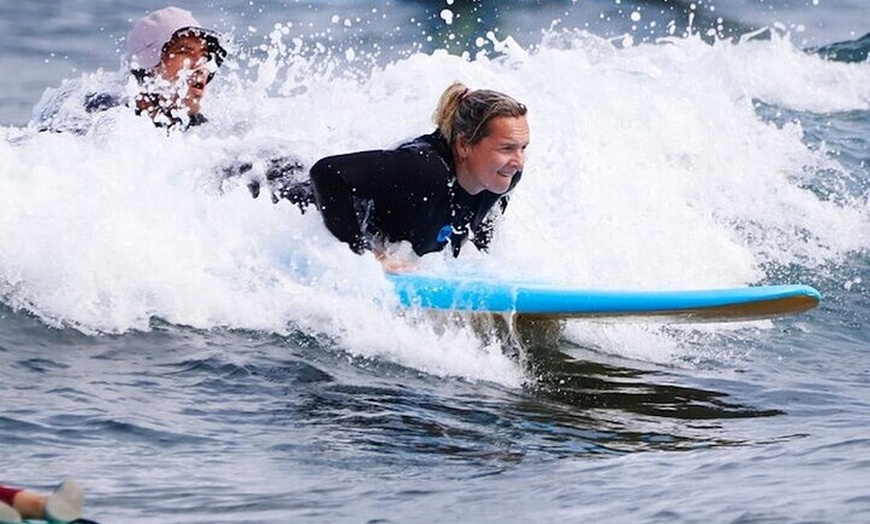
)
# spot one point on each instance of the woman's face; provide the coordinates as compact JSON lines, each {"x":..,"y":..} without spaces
{"x":183,"y":65}
{"x":492,"y":162}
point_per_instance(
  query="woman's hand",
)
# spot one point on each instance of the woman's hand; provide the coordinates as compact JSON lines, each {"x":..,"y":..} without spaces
{"x":396,"y":261}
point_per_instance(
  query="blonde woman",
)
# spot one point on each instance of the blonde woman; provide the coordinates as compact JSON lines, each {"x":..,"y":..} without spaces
{"x":437,"y":189}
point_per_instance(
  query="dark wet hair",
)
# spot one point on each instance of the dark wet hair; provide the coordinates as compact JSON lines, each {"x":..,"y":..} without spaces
{"x":466,"y":112}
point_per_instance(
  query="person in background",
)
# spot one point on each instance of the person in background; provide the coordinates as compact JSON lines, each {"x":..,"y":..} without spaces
{"x":65,"y":505}
{"x":171,"y":58}
{"x":443,"y":188}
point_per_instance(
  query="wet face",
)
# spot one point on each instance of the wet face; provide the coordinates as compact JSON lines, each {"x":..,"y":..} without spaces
{"x":492,"y":162}
{"x":184,"y":66}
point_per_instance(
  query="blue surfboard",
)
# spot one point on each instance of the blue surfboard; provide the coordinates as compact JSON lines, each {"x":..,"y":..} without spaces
{"x":479,"y":295}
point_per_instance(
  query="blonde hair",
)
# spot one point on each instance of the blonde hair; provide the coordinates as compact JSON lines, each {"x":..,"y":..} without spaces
{"x":465,"y":112}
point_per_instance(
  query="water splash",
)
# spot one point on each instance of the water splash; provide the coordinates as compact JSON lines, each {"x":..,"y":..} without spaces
{"x":649,"y":167}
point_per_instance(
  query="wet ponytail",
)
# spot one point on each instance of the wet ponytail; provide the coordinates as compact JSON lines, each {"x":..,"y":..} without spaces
{"x":464,"y":112}
{"x":448,"y":105}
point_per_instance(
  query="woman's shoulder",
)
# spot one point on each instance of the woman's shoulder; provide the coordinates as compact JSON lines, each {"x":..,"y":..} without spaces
{"x":429,"y":149}
{"x":429,"y":142}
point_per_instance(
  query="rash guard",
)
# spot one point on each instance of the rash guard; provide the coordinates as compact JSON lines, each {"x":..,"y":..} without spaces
{"x":408,"y":193}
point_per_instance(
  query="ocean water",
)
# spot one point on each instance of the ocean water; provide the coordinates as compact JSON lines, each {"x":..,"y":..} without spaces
{"x":191,"y":354}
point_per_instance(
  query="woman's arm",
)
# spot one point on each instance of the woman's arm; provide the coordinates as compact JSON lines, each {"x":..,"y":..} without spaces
{"x":339,"y":184}
{"x":398,"y":186}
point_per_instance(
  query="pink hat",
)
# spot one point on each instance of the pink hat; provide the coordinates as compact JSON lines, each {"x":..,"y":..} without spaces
{"x":146,"y":40}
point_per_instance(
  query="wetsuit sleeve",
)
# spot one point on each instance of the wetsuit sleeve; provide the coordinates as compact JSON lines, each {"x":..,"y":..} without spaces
{"x":347,"y":187}
{"x":287,"y":179}
{"x":338,"y":183}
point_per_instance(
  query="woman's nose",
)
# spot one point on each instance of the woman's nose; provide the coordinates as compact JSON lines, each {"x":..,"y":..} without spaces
{"x":519,"y":159}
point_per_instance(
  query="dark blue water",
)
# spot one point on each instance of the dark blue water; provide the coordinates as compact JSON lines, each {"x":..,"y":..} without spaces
{"x":155,"y":346}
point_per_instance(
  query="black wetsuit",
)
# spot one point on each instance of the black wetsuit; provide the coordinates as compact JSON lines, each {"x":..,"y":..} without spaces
{"x":97,"y":102}
{"x":94,"y":103}
{"x":408,"y":193}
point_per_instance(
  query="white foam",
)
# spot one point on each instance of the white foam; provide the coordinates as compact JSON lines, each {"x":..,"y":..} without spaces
{"x":648,"y":168}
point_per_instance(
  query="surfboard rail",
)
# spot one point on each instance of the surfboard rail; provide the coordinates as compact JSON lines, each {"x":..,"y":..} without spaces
{"x":477,"y":295}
